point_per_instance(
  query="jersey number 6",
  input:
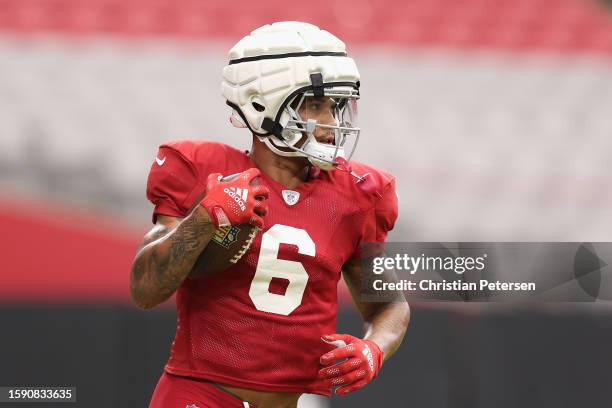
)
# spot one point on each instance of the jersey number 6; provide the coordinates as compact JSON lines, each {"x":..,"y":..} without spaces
{"x":269,"y":266}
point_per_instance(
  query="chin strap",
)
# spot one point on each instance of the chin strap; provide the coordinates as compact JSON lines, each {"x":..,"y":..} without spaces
{"x":297,"y":152}
{"x":271,"y":126}
{"x":266,"y":140}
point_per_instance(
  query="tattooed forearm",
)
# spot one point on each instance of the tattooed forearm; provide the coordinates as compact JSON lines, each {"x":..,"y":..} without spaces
{"x":167,"y":256}
{"x":138,"y":268}
{"x":194,"y":231}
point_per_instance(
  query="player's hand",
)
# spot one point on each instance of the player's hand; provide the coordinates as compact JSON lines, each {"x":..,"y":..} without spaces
{"x":236,"y":201}
{"x":362,"y":360}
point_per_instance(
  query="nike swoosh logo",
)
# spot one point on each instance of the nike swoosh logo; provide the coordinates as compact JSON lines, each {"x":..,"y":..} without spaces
{"x":160,"y":161}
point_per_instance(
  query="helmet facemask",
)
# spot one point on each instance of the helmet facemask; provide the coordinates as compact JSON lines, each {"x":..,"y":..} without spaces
{"x":300,"y":125}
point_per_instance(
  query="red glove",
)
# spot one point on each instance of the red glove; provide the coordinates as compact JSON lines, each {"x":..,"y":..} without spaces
{"x":236,"y":201}
{"x":362,"y":361}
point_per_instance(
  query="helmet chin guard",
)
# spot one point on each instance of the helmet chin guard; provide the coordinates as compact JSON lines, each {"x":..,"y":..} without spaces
{"x":297,"y":134}
{"x":319,"y":154}
{"x":270,"y":75}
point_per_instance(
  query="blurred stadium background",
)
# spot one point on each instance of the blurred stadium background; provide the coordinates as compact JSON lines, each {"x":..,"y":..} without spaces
{"x":495,"y":116}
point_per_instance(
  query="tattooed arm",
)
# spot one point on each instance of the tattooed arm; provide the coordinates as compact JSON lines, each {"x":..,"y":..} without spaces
{"x":167,"y":255}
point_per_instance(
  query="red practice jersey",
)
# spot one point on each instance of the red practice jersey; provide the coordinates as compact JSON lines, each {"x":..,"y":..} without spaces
{"x":258,"y":324}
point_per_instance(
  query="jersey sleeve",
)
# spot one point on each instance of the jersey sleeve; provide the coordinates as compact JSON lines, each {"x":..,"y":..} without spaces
{"x":378,"y":222}
{"x":174,"y":183}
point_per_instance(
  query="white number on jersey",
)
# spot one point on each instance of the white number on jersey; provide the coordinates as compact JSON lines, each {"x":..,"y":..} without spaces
{"x":269,"y":266}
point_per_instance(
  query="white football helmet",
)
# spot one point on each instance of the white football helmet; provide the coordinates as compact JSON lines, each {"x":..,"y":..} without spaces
{"x":270,"y":74}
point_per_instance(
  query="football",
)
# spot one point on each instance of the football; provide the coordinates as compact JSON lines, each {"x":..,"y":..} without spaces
{"x":226,"y":247}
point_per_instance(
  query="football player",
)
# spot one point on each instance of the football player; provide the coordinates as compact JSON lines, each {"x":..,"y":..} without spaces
{"x":262,"y":332}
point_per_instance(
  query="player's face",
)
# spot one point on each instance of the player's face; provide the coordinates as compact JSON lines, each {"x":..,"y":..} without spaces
{"x":320,"y":109}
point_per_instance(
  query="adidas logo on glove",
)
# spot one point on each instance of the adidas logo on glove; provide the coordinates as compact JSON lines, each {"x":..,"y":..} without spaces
{"x":239,"y":195}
